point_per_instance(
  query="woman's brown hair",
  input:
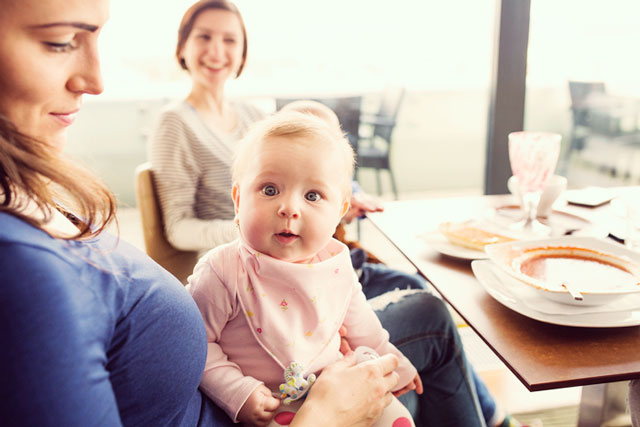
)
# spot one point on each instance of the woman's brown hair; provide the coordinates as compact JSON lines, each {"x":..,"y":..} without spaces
{"x":189,"y":18}
{"x":32,"y":170}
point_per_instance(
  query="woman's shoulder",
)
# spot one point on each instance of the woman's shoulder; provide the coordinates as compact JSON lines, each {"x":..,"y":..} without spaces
{"x":104,"y":265}
{"x":177,"y":111}
{"x":21,"y":242}
{"x":248,"y":111}
{"x":177,"y":121}
{"x":38,"y":273}
{"x":13,"y":228}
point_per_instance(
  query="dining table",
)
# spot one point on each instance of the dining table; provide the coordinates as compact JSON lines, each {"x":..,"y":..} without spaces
{"x":542,"y":355}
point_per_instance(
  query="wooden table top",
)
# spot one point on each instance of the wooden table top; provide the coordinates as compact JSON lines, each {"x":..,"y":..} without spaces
{"x":542,"y":355}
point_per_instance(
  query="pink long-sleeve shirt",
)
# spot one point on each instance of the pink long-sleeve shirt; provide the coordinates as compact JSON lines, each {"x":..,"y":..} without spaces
{"x":261,"y":313}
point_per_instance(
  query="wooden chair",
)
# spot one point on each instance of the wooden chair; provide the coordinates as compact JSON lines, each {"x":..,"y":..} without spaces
{"x":177,"y":262}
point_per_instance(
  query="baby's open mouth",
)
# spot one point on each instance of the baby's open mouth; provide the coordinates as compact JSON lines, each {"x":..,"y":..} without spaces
{"x":285,"y":234}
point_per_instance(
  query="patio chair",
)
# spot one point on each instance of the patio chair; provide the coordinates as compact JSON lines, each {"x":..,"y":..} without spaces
{"x":177,"y":262}
{"x":376,"y":152}
{"x":581,"y":114}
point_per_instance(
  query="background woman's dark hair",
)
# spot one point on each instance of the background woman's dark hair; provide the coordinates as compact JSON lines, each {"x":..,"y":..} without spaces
{"x":189,"y":18}
{"x":32,"y":168}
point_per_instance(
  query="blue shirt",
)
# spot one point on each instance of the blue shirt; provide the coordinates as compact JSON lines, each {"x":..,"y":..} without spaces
{"x":95,"y":333}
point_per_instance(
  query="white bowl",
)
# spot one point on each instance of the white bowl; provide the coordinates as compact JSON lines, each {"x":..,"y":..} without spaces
{"x":571,"y":270}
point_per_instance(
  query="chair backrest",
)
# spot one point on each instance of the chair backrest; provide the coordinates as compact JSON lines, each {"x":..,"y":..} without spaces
{"x":346,"y":108}
{"x":392,"y":98}
{"x":579,"y":91}
{"x":177,"y":262}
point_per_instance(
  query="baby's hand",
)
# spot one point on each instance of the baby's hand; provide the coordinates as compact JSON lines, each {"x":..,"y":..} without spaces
{"x":416,"y":385}
{"x":259,"y":408}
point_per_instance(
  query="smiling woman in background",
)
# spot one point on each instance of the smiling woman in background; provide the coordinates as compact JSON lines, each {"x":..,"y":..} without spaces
{"x":192,"y":147}
{"x":92,"y":332}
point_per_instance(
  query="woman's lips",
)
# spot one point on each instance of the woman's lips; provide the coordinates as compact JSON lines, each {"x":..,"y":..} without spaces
{"x":66,"y":119}
{"x":214,"y":68}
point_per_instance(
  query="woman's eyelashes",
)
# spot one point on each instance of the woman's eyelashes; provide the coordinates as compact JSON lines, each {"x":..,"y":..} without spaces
{"x":61,"y":47}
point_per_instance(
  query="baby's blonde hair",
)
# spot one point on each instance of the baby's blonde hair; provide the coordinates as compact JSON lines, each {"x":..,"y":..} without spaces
{"x":306,"y":128}
{"x":315,"y":108}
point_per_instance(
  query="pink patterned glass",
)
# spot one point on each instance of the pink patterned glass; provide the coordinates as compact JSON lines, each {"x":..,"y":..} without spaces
{"x":533,"y":157}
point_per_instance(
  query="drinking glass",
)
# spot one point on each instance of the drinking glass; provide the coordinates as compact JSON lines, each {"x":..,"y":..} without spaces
{"x":533,"y":157}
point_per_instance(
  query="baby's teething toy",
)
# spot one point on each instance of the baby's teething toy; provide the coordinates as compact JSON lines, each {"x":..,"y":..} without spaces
{"x":364,"y":353}
{"x":296,"y":385}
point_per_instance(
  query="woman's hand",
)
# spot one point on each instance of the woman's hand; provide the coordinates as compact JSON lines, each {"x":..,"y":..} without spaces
{"x":416,"y":385}
{"x":259,"y":408}
{"x":345,"y":349}
{"x":349,"y":395}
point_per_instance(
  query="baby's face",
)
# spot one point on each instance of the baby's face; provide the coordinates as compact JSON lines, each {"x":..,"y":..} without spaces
{"x":291,"y":198}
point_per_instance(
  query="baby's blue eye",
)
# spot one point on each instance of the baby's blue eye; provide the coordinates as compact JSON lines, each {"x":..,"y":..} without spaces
{"x":269,"y":190}
{"x":313,"y":196}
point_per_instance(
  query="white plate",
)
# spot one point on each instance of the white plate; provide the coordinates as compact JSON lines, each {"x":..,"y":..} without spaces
{"x":512,"y":294}
{"x":440,"y":243}
{"x":590,"y":197}
{"x":586,"y":290}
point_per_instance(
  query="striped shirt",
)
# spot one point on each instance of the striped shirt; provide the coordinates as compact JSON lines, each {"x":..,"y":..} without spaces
{"x":192,"y":171}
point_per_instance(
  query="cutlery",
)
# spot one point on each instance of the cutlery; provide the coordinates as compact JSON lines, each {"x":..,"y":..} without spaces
{"x":572,"y":291}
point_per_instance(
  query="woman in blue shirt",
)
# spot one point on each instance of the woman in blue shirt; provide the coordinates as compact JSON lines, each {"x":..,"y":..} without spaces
{"x":92,"y":332}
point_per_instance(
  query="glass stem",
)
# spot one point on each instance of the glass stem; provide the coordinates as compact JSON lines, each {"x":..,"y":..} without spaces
{"x":530,"y":202}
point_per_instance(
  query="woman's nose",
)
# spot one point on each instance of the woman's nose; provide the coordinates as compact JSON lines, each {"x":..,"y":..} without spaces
{"x":216,"y":47}
{"x":87,"y":78}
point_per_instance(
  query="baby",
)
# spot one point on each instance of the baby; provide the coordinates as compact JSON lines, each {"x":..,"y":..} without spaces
{"x":275,"y":298}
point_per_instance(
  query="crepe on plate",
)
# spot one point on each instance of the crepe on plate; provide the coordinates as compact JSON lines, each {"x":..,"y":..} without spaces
{"x":471,"y":235}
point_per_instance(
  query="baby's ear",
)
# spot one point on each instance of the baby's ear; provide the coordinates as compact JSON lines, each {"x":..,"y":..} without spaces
{"x":235,"y":194}
{"x":345,"y":208}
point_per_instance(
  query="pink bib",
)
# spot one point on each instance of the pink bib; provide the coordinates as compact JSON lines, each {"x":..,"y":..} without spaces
{"x":295,"y":310}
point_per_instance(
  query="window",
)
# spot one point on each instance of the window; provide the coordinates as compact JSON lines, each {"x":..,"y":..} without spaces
{"x":439,"y":51}
{"x":588,"y":47}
